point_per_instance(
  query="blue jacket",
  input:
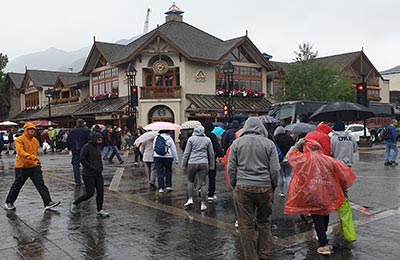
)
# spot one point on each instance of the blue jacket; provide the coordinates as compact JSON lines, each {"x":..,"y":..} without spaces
{"x":77,"y":138}
{"x":392,"y":134}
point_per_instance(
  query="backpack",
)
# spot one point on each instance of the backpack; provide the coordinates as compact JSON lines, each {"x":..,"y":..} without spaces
{"x":385,"y":133}
{"x":280,"y":154}
{"x":160,"y":146}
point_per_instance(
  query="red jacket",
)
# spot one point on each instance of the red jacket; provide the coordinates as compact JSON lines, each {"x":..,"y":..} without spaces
{"x":321,"y":136}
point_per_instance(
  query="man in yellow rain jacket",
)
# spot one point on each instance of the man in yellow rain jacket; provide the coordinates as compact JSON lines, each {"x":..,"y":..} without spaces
{"x":27,"y":165}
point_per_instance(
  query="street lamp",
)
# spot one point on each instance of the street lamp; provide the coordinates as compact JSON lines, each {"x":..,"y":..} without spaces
{"x":132,"y":96}
{"x":49,"y":93}
{"x":228,"y":69}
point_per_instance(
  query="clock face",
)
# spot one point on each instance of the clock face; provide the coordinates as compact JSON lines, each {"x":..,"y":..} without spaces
{"x":160,"y":67}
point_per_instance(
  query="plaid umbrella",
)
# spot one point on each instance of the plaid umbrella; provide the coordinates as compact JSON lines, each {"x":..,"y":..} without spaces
{"x":268,"y":119}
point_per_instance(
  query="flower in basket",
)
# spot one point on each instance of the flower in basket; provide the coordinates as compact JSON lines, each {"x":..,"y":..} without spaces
{"x":220,"y":92}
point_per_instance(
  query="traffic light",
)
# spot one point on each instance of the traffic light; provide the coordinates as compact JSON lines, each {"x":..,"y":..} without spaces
{"x":134,"y":96}
{"x":226,"y":109}
{"x":362,"y":96}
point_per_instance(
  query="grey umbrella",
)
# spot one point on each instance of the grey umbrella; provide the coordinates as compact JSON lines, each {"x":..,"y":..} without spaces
{"x":300,"y":128}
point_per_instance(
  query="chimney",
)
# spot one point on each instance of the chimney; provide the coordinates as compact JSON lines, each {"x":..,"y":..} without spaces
{"x":174,"y":14}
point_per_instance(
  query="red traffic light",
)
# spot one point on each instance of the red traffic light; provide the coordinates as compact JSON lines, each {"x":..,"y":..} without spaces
{"x":360,"y":87}
{"x":134,"y":89}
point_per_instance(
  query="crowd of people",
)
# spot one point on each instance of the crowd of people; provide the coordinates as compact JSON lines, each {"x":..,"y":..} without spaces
{"x":313,"y":171}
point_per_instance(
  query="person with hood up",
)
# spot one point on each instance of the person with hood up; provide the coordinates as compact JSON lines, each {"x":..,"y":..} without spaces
{"x":90,"y":158}
{"x":163,"y":162}
{"x":343,"y":144}
{"x":198,"y":159}
{"x":208,"y":127}
{"x":320,"y":134}
{"x":27,"y":165}
{"x":253,"y":168}
{"x":76,"y":139}
{"x":229,"y":135}
{"x":284,"y":141}
{"x":146,"y":149}
{"x":318,"y":187}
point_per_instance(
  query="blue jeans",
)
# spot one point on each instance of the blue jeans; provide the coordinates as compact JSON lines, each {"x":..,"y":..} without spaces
{"x":75,"y":161}
{"x":286,"y":172}
{"x":115,"y":151}
{"x":164,"y":168}
{"x":388,"y":147}
{"x":106,"y":150}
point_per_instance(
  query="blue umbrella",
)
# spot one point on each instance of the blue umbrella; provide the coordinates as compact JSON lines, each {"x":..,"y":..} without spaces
{"x":218,"y":131}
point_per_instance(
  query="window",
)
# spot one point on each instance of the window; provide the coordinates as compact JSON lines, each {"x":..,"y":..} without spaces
{"x":32,"y":99}
{"x":171,"y":78}
{"x":245,"y":78}
{"x":105,"y":82}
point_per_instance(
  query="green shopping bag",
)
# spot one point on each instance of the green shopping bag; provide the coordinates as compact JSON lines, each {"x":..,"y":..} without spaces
{"x":347,"y":223}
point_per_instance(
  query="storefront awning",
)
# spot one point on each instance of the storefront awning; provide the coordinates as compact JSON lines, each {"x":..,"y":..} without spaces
{"x":213,"y":103}
{"x":103,"y":106}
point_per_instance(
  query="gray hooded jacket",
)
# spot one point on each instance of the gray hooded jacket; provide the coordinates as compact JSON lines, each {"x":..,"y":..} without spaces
{"x":253,"y":159}
{"x":199,"y":149}
{"x":343,"y":146}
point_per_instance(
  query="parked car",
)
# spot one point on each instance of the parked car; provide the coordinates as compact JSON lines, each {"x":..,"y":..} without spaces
{"x":356,"y":131}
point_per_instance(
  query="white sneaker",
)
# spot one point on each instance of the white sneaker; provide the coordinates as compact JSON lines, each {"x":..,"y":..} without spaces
{"x":236,"y":224}
{"x":203,"y":206}
{"x":282,"y":195}
{"x":169,"y":189}
{"x":188,"y":203}
{"x":211,"y":199}
{"x":161,"y":190}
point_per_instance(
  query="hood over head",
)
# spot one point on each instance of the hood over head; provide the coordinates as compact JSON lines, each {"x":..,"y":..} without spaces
{"x":324,"y":128}
{"x":93,"y":137}
{"x":279,"y":130}
{"x":254,"y":126}
{"x":208,"y":126}
{"x":199,"y":130}
{"x":234,"y":124}
{"x":28,"y":126}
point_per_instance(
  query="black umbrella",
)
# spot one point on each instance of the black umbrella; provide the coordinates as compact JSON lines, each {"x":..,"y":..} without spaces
{"x":341,"y":111}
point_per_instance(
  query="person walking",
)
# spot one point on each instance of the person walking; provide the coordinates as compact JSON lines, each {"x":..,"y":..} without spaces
{"x":284,"y":141}
{"x":90,"y":157}
{"x":317,"y":187}
{"x":27,"y":165}
{"x":107,"y":136}
{"x":163,"y":162}
{"x":391,"y":144}
{"x":76,"y":139}
{"x":343,"y":144}
{"x":208,"y":127}
{"x":10,"y":146}
{"x":114,"y":144}
{"x":198,"y":158}
{"x":136,"y":150}
{"x":229,"y":135}
{"x":53,"y":138}
{"x":1,"y":142}
{"x":146,"y":148}
{"x":45,"y":141}
{"x":253,"y":168}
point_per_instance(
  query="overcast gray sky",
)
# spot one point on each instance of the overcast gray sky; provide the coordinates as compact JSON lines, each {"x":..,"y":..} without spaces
{"x":275,"y":27}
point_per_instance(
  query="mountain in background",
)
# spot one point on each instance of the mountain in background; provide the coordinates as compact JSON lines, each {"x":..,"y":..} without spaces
{"x":55,"y":59}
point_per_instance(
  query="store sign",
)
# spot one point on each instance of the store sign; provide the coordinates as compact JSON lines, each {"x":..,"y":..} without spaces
{"x":200,"y":76}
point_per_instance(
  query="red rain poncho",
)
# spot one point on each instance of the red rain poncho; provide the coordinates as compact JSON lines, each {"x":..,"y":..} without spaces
{"x":317,"y":183}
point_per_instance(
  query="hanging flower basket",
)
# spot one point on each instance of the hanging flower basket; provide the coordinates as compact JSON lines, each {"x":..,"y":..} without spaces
{"x":104,"y":96}
{"x":240,"y":93}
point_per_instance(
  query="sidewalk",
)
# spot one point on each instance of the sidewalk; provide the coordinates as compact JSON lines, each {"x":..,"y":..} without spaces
{"x":147,"y":225}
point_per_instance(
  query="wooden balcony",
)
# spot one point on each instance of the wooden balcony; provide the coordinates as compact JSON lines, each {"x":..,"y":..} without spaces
{"x":160,"y":92}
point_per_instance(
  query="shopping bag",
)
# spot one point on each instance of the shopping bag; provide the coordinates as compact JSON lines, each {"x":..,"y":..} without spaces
{"x":46,"y":146}
{"x":347,"y":223}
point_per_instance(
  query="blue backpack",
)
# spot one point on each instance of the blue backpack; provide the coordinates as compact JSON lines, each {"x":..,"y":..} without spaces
{"x":280,"y":154}
{"x":160,"y":146}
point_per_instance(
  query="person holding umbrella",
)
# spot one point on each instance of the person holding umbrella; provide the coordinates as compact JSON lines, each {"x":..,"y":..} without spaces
{"x":391,"y":144}
{"x":146,"y":149}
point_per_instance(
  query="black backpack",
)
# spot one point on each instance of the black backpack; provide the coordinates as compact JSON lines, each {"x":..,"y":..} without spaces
{"x":385,"y":133}
{"x":160,"y":146}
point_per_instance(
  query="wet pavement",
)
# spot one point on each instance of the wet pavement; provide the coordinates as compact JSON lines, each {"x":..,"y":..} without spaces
{"x":145,"y":224}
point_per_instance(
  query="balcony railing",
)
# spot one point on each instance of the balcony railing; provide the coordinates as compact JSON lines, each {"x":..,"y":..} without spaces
{"x":160,"y":92}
